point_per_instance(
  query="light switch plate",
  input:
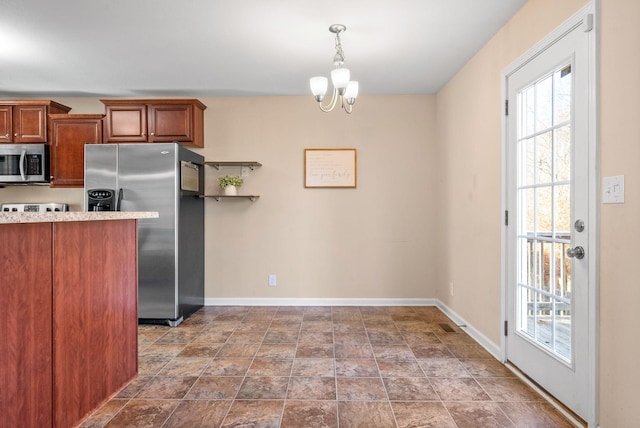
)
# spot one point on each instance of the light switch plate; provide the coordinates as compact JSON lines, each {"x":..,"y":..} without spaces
{"x":613,"y":190}
{"x":245,"y":171}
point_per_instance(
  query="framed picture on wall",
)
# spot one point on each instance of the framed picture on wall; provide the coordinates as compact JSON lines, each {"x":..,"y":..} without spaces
{"x":330,"y":168}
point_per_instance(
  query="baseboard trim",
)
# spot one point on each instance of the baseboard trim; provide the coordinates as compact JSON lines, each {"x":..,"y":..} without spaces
{"x":274,"y":301}
{"x":482,"y":340}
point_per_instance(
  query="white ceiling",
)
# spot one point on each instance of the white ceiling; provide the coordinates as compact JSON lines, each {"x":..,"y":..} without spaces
{"x":140,"y":48}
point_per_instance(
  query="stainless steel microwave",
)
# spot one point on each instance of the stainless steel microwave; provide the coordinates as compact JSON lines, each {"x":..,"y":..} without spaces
{"x":24,"y":163}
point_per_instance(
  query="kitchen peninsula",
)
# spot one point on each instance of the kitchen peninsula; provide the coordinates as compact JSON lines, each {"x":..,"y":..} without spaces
{"x":68,"y":287}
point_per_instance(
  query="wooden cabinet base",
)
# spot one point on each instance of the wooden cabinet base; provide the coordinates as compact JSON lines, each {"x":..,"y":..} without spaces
{"x":72,"y":302}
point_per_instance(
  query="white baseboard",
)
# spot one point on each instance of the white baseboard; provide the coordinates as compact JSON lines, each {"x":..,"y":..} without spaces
{"x":482,"y":340}
{"x":274,"y":301}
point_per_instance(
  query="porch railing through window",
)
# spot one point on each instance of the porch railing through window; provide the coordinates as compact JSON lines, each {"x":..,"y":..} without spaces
{"x":550,"y":270}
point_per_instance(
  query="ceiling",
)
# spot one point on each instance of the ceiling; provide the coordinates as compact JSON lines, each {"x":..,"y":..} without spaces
{"x":137,"y":48}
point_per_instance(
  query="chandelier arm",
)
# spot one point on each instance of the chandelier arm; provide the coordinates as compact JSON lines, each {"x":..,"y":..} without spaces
{"x":334,"y":98}
{"x":347,"y":107}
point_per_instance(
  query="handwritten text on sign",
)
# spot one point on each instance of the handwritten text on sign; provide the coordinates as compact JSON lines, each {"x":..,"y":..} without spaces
{"x":330,"y":167}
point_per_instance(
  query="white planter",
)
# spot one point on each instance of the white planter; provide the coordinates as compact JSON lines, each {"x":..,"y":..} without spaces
{"x":230,"y":191}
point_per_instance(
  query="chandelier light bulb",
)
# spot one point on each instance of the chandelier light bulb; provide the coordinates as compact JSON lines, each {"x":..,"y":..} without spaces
{"x":340,"y":79}
{"x":351,"y":92}
{"x":319,"y":85}
{"x":343,"y":88}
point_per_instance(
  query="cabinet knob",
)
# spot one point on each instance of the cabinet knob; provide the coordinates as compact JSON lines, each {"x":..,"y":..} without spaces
{"x":152,"y":134}
{"x":15,"y":135}
{"x":144,"y":135}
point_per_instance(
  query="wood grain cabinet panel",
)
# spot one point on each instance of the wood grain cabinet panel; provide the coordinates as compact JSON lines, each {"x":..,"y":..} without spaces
{"x":95,"y":314}
{"x":25,"y":339}
{"x":154,"y":121}
{"x":25,"y":121}
{"x":6,"y":124}
{"x":126,"y":123}
{"x":69,"y":134}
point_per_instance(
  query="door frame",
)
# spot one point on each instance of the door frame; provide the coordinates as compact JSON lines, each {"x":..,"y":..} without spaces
{"x":587,"y":17}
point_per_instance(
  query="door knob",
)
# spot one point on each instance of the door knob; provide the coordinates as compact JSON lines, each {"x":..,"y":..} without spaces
{"x":577,"y":252}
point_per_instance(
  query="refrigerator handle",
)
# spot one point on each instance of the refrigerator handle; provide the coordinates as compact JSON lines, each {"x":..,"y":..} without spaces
{"x":119,"y":199}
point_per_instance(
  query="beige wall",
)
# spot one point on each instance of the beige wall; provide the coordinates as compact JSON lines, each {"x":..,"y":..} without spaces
{"x":375,"y":241}
{"x":326,"y":243}
{"x":620,"y":224}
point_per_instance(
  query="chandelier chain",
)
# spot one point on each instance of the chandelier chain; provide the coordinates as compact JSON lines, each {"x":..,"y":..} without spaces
{"x":338,"y":59}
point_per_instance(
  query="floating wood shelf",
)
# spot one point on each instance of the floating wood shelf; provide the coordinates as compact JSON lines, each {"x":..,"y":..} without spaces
{"x":252,"y":198}
{"x":218,"y":164}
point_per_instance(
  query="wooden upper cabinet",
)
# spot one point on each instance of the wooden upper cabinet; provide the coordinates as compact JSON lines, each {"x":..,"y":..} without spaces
{"x":126,"y":123}
{"x":154,"y":121}
{"x":24,"y":122}
{"x":6,"y":124}
{"x":69,"y":134}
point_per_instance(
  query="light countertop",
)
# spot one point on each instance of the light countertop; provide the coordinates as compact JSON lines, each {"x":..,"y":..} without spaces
{"x":55,"y":217}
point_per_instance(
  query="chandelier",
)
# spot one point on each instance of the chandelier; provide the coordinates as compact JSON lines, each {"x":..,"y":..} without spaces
{"x":344,"y":89}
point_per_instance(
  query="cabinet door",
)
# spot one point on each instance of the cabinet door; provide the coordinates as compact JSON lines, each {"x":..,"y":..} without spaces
{"x":6,"y":127}
{"x":126,"y":123}
{"x":67,"y":149}
{"x":169,"y":123}
{"x":30,"y":124}
{"x":95,"y":314}
{"x":25,"y":331}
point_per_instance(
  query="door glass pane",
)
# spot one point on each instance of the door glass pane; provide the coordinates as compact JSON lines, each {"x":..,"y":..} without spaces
{"x":529,"y":212}
{"x":529,"y":162}
{"x":562,"y":211}
{"x":543,"y":103}
{"x":562,"y":153}
{"x":544,"y":213}
{"x":526,"y":112}
{"x":562,"y":94}
{"x":544,"y":158}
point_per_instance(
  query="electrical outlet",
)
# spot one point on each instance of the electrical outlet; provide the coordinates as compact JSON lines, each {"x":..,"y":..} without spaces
{"x":244,"y":171}
{"x":272,"y":280}
{"x":451,"y":288}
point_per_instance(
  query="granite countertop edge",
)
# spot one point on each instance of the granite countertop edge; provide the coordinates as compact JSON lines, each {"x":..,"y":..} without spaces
{"x":57,"y":217}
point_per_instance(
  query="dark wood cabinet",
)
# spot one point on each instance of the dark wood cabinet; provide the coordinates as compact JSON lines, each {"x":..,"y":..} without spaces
{"x":69,"y":134}
{"x":25,"y":347}
{"x":24,"y":122}
{"x":95,"y":315}
{"x":154,"y":121}
{"x":69,"y":319}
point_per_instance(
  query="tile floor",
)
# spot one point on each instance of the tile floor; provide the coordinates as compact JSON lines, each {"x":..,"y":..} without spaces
{"x":304,"y":367}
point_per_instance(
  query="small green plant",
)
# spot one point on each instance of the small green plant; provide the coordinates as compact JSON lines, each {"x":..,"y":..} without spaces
{"x":230,"y":180}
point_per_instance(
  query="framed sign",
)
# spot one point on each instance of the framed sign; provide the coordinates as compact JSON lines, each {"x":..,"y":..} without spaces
{"x":330,"y":168}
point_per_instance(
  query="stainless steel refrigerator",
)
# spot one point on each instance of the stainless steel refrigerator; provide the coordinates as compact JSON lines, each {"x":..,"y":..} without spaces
{"x":156,"y":177}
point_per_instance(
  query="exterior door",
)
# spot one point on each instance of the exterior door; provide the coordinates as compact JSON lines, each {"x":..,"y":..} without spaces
{"x":547,"y":234}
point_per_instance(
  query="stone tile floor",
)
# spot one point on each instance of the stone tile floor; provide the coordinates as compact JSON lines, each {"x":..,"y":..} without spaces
{"x":305,"y":367}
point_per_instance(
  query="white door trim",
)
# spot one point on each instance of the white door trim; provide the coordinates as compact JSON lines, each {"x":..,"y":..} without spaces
{"x":588,"y":18}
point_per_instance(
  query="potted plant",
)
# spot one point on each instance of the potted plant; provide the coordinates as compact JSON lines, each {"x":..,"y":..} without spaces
{"x":230,"y":183}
